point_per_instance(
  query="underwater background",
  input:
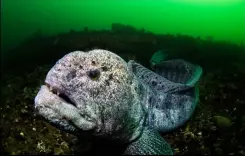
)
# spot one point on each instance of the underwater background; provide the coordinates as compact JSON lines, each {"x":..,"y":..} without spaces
{"x":210,"y":33}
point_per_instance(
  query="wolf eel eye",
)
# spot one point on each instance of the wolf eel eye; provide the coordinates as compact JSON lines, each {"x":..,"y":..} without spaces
{"x":94,"y":74}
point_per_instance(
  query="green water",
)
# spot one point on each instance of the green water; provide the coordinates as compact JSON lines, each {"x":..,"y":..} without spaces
{"x":221,"y":19}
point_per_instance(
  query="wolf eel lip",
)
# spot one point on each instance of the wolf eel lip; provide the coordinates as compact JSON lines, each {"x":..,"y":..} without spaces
{"x":60,"y":94}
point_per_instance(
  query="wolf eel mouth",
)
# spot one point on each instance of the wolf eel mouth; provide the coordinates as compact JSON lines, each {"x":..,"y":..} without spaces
{"x":60,"y":94}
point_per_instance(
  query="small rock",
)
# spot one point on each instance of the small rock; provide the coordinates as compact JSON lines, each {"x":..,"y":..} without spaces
{"x":213,"y":128}
{"x":24,"y":111}
{"x":34,"y":129}
{"x":22,"y":134}
{"x":222,"y":122}
{"x":218,"y":150}
{"x":192,"y":135}
{"x":58,"y":151}
{"x":13,"y":153}
{"x":241,"y":152}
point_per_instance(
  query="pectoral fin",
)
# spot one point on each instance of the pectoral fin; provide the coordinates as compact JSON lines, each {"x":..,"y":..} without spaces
{"x":150,"y":143}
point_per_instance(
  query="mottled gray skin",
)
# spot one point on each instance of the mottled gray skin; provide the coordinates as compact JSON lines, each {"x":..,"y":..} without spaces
{"x":98,"y":93}
{"x":108,"y":106}
{"x":173,"y":95}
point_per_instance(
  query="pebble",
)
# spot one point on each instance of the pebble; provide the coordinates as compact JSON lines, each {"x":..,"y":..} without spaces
{"x":214,"y":128}
{"x":222,"y":122}
{"x":34,"y":129}
{"x":176,"y":149}
{"x":24,"y":111}
{"x":21,"y":133}
{"x":241,"y":152}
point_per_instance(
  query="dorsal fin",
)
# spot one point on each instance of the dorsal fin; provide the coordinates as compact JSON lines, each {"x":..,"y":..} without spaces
{"x":179,"y":71}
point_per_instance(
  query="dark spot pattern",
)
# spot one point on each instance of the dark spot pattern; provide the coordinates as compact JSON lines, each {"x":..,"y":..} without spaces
{"x":153,"y":117}
{"x":76,"y":64}
{"x":71,"y":75}
{"x":159,"y":104}
{"x":168,"y":101}
{"x":153,"y":83}
{"x":179,"y":117}
{"x":107,"y":82}
{"x":110,"y":77}
{"x":172,"y":122}
{"x":104,"y":68}
{"x":150,"y":100}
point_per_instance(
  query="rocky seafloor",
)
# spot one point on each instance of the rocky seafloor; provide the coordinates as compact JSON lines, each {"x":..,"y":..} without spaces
{"x":217,"y":126}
